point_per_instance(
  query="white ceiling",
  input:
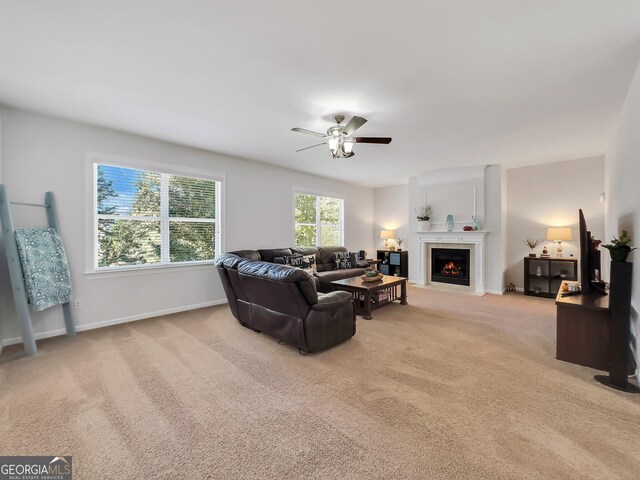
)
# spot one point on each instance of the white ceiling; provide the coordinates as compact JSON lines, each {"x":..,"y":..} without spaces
{"x":454,"y":82}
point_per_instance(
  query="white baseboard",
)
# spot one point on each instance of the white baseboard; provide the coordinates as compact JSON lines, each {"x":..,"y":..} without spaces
{"x":419,"y":283}
{"x":495,"y":292}
{"x":115,"y":321}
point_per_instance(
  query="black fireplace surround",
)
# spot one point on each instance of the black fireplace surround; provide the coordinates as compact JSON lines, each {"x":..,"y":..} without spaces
{"x":451,"y":265}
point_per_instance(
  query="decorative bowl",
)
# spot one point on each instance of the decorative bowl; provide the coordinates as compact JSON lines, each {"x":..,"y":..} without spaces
{"x":372,"y":279}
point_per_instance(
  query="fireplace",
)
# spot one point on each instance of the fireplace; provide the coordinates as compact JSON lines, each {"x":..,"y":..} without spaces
{"x":450,"y":265}
{"x":474,"y":241}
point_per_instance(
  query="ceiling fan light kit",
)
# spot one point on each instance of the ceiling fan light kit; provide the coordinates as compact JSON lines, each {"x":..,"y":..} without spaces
{"x":339,"y":137}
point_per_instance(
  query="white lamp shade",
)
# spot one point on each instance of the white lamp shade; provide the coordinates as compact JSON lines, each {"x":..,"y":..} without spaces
{"x":559,"y":233}
{"x":348,"y":147}
{"x":387,"y":234}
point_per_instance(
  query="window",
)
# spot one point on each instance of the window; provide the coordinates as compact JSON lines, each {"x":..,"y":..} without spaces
{"x":152,"y":218}
{"x":319,"y":220}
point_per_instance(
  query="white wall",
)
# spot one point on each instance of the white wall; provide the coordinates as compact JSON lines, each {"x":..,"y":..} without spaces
{"x":622,"y":177}
{"x":391,"y":212}
{"x":42,"y":153}
{"x":550,"y":195}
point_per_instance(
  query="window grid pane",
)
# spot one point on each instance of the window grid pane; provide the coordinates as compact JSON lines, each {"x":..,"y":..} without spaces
{"x":191,"y":197}
{"x":191,"y":241}
{"x":305,"y":208}
{"x":329,"y":236}
{"x":128,"y":242}
{"x":305,"y":235}
{"x":329,"y":210}
{"x":125,"y":191}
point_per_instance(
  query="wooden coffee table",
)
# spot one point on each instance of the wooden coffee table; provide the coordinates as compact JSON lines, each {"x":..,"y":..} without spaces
{"x":372,"y":295}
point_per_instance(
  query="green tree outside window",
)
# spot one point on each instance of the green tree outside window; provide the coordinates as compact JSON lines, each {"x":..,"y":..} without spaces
{"x":318,"y":220}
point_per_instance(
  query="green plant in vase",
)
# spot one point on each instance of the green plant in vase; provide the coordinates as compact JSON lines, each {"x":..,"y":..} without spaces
{"x":619,"y":248}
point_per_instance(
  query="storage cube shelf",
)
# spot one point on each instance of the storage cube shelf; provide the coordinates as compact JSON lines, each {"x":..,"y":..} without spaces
{"x":544,"y":276}
{"x":393,"y":262}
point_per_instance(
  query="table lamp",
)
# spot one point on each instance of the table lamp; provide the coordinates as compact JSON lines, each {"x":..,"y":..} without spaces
{"x":386,"y":235}
{"x":558,"y":234}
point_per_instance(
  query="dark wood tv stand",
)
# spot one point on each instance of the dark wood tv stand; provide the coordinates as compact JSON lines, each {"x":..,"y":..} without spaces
{"x":594,"y":329}
{"x":583,"y":329}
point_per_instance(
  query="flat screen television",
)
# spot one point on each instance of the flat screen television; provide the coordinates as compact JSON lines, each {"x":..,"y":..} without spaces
{"x":589,"y":261}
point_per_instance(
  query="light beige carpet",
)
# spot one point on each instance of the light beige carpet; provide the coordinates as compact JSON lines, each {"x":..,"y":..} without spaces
{"x":451,"y":386}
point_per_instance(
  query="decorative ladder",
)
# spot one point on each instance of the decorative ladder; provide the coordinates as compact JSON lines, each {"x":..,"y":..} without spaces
{"x":15,"y":268}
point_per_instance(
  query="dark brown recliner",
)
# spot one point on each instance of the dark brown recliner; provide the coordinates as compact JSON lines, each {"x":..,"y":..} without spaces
{"x":283,"y":301}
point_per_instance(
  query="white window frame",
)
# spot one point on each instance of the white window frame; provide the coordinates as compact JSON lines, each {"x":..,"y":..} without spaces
{"x":317,"y":224}
{"x":91,"y":258}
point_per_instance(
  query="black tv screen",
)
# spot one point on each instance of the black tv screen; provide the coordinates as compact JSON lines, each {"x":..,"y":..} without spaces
{"x":585,"y":270}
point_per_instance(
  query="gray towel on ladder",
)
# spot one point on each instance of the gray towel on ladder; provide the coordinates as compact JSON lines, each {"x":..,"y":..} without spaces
{"x":44,"y":266}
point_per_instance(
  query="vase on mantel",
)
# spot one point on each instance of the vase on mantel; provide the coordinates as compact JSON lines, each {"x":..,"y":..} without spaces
{"x":449,"y":223}
{"x":424,"y":225}
{"x":475,"y":222}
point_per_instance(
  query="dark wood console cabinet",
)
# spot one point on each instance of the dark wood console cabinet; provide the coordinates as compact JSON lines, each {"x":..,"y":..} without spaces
{"x":544,"y":276}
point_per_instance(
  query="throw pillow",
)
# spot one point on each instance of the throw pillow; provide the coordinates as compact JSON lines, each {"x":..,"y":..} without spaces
{"x":303,"y":262}
{"x":356,"y":262}
{"x":343,"y":260}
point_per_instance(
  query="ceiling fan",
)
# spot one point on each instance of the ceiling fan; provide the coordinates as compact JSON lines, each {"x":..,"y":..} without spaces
{"x":339,"y":137}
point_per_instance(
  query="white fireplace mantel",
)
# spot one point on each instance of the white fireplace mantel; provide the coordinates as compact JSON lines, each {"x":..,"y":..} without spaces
{"x":476,"y":239}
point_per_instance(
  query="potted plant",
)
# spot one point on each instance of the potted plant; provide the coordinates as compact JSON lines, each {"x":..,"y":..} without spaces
{"x":619,"y":247}
{"x":400,"y":241}
{"x":532,"y":243}
{"x":423,"y":214}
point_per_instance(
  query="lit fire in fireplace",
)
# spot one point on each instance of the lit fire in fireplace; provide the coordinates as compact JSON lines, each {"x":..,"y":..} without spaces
{"x":451,"y":269}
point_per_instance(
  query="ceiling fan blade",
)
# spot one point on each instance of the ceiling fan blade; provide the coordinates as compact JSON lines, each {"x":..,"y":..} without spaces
{"x":304,"y":130}
{"x":383,"y":140}
{"x":316,"y":145}
{"x":355,"y":123}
